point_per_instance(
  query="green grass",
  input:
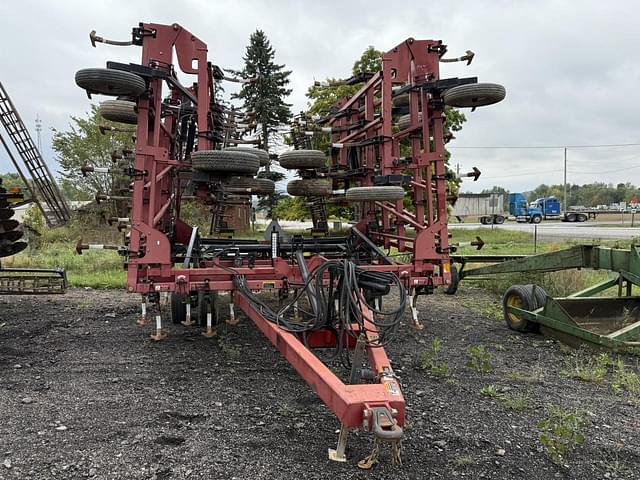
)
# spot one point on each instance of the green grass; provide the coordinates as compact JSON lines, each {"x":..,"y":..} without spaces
{"x":462,"y":461}
{"x":478,"y":359}
{"x":624,"y":380}
{"x":535,"y":376}
{"x":94,"y":268}
{"x":517,"y":402}
{"x":490,"y":391}
{"x":430,"y":360}
{"x":588,"y":368}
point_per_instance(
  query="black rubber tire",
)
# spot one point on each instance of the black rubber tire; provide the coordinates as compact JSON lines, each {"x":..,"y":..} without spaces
{"x":452,"y":288}
{"x":6,"y":225}
{"x":581,"y":217}
{"x":11,"y":248}
{"x":257,"y":186}
{"x":484,"y":221}
{"x":121,"y":111}
{"x":306,"y":187}
{"x":536,"y":219}
{"x":539,"y":294}
{"x":404,"y":121}
{"x":498,"y":219}
{"x":363,"y":194}
{"x":262,"y":155}
{"x":521,"y":296}
{"x":225,"y":162}
{"x":6,"y":213}
{"x":401,"y":100}
{"x":12,"y":235}
{"x":474,"y":95}
{"x":571,"y":217}
{"x":178,"y":307}
{"x":106,"y":81}
{"x":302,"y":159}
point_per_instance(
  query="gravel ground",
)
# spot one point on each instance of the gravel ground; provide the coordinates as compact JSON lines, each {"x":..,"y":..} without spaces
{"x":84,"y":393}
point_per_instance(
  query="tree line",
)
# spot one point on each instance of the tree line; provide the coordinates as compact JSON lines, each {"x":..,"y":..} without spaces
{"x":587,"y":195}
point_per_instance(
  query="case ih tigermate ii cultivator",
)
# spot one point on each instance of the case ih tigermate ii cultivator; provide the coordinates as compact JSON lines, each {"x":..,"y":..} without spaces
{"x":339,"y":279}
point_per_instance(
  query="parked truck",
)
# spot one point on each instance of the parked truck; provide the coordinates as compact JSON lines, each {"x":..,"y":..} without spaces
{"x":543,"y":208}
{"x":488,"y":207}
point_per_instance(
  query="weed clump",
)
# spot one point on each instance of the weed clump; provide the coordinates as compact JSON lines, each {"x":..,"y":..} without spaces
{"x":478,"y":359}
{"x":430,"y":360}
{"x":588,"y":369}
{"x":561,"y":431}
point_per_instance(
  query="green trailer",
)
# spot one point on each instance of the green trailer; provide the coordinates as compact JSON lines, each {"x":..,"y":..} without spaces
{"x":611,"y":322}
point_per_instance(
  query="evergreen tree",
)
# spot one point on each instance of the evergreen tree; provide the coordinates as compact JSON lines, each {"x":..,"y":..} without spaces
{"x":265,"y":95}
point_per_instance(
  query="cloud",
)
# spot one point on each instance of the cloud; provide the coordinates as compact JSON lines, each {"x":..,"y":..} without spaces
{"x":570,"y":69}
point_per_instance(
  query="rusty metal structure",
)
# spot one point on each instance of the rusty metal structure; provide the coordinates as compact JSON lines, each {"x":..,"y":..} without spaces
{"x":329,"y":288}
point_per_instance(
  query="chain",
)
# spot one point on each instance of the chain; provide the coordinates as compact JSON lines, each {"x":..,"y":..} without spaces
{"x":370,"y":461}
{"x":396,"y":452}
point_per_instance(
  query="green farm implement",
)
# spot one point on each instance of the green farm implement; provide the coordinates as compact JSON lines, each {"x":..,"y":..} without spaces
{"x":586,"y":316}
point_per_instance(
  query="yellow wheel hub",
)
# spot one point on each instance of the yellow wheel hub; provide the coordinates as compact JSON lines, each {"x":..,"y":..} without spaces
{"x":514,"y":301}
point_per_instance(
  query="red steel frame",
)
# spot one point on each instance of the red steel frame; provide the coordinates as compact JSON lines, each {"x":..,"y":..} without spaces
{"x":412,"y":63}
{"x":156,"y":204}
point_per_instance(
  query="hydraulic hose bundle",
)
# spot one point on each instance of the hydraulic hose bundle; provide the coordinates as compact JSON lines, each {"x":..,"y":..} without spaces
{"x":335,"y":292}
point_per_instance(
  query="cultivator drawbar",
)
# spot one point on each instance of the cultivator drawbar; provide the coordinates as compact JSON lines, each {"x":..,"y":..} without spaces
{"x":328,"y":306}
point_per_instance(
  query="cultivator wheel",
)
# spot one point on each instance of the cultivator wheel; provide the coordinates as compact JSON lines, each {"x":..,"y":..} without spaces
{"x":122,"y":111}
{"x":474,"y":95}
{"x":366,"y":194}
{"x":308,"y":187}
{"x":220,"y":161}
{"x":262,"y":155}
{"x":302,"y":159}
{"x":401,"y":100}
{"x":455,"y":281}
{"x":404,"y":121}
{"x":106,"y":81}
{"x":254,"y":186}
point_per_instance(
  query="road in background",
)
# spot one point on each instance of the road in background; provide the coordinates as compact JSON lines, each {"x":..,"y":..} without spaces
{"x":563,"y":231}
{"x":546,"y":230}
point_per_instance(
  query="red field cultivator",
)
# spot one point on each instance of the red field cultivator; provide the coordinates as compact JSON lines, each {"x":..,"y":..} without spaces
{"x":387,"y":161}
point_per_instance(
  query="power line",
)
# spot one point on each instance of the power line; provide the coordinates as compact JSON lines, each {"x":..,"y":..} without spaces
{"x":524,"y":174}
{"x":500,"y":147}
{"x":581,"y":172}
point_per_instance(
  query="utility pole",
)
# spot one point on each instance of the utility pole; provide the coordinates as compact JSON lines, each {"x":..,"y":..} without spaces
{"x":457,"y":169}
{"x":38,"y":130}
{"x":565,"y":179}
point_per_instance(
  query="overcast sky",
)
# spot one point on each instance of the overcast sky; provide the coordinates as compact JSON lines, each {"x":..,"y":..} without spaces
{"x":571,"y":69}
